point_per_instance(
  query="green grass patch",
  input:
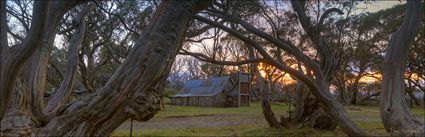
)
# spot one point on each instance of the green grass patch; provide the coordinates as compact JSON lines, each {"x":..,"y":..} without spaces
{"x":253,"y":109}
{"x":366,"y":117}
{"x":245,"y":130}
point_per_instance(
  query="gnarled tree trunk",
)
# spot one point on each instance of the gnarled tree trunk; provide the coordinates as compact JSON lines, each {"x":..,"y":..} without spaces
{"x":308,"y":112}
{"x":32,"y":52}
{"x":355,"y":87}
{"x":18,"y":120}
{"x":14,"y":60}
{"x":61,"y":95}
{"x":340,"y":83}
{"x":265,"y":104}
{"x":395,"y":113}
{"x":26,"y":114}
{"x":132,"y":89}
{"x":318,"y":86}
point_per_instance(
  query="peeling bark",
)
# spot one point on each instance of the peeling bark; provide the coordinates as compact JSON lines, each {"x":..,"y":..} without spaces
{"x":61,"y":96}
{"x":18,"y":120}
{"x":308,"y":111}
{"x":13,"y":64}
{"x":310,"y":114}
{"x":24,"y":112}
{"x":37,"y":45}
{"x":36,"y":67}
{"x":131,"y":91}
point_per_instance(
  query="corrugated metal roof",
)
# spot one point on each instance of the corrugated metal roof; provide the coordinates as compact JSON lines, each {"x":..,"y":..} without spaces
{"x":206,"y":87}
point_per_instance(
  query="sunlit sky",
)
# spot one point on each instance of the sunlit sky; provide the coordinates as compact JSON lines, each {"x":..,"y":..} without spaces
{"x":380,"y":5}
{"x":361,"y":8}
{"x":287,"y":79}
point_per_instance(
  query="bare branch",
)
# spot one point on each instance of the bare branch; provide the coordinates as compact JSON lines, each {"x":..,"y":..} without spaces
{"x":326,"y":14}
{"x":198,"y":32}
{"x":15,"y":35}
{"x":262,"y":51}
{"x":4,"y":48}
{"x":205,"y":58}
{"x":285,"y":45}
{"x":327,"y":60}
{"x":119,"y":18}
{"x":199,"y":40}
{"x":21,"y":18}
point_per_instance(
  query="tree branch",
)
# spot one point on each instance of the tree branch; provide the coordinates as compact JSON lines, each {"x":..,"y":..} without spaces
{"x":12,"y":67}
{"x":205,"y":58}
{"x":15,"y":35}
{"x":15,"y":14}
{"x":194,"y":33}
{"x":262,"y":51}
{"x":327,"y":60}
{"x":4,"y":48}
{"x":149,"y":9}
{"x":282,"y":44}
{"x":60,"y":96}
{"x":199,"y":40}
{"x":326,"y":14}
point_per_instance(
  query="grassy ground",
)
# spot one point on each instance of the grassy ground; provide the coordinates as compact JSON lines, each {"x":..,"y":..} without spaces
{"x":242,"y":121}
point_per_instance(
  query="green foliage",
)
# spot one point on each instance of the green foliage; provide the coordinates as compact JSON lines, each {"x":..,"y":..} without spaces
{"x":239,"y":130}
{"x":168,"y":92}
{"x":389,"y":19}
{"x":242,"y":8}
{"x":185,"y":111}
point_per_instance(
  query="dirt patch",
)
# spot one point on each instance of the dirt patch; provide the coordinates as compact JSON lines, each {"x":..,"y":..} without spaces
{"x":354,"y":108}
{"x":196,"y":121}
{"x":185,"y":116}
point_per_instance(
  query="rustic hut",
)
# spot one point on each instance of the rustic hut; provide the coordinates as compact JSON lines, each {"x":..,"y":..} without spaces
{"x":227,"y":91}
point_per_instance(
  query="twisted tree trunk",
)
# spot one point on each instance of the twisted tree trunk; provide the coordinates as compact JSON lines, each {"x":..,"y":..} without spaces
{"x":33,"y":52}
{"x":323,"y":75}
{"x":60,"y":97}
{"x":308,"y":110}
{"x":26,"y":114}
{"x":132,"y":89}
{"x":18,"y":120}
{"x":14,"y":60}
{"x":355,"y":88}
{"x":318,"y":86}
{"x":340,"y":83}
{"x":395,"y":113}
{"x":265,"y":104}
